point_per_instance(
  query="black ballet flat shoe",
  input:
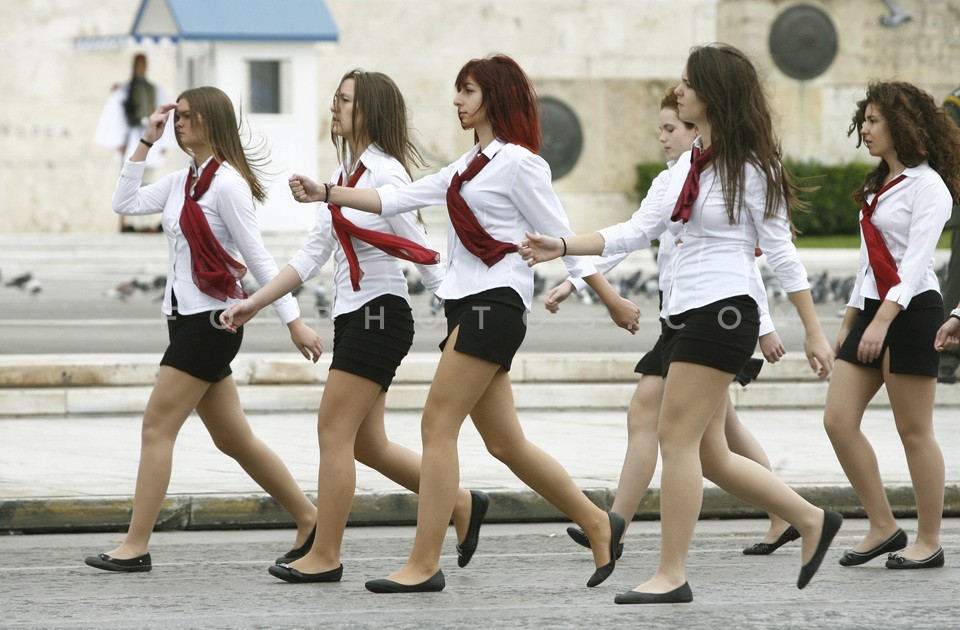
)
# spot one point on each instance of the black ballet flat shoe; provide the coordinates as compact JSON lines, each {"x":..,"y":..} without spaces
{"x":479,"y":502}
{"x":434,"y":584}
{"x":288,"y":574}
{"x":895,"y":543}
{"x":580,"y":537}
{"x":299,"y":552}
{"x":130,"y":565}
{"x":617,"y":525}
{"x":680,"y":595}
{"x":765,"y":549}
{"x":896,"y":561}
{"x":831,"y":525}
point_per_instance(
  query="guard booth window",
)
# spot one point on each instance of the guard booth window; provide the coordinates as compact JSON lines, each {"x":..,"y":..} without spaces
{"x":265,"y":87}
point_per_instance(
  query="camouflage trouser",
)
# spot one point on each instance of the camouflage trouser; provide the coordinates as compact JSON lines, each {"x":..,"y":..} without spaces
{"x":950,"y":359}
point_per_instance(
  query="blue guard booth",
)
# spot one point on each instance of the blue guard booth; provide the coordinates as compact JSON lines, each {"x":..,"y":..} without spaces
{"x":263,"y":54}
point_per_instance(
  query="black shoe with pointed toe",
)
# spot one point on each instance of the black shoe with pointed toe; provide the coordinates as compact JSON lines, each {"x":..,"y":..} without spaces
{"x":129,"y":565}
{"x":831,"y":525}
{"x":896,"y":561}
{"x":765,"y":549}
{"x":298,"y":552}
{"x":895,"y":543}
{"x":288,"y":574}
{"x":434,"y":584}
{"x":617,"y":525}
{"x":479,"y":502}
{"x":580,"y":537}
{"x":680,"y":595}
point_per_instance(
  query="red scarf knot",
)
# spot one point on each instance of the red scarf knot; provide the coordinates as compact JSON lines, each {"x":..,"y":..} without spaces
{"x":691,"y":186}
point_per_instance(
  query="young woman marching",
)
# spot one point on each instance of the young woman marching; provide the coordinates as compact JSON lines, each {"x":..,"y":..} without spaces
{"x":494,"y":193}
{"x":208,"y":217}
{"x":729,"y":193}
{"x":888,"y":332}
{"x":373,"y":323}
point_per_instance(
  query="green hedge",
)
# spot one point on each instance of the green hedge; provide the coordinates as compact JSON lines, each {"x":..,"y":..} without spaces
{"x":831,"y":210}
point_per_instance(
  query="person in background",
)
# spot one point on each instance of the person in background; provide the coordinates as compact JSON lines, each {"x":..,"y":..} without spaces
{"x":208,"y":215}
{"x":888,"y":334}
{"x":950,"y":358}
{"x":122,"y":124}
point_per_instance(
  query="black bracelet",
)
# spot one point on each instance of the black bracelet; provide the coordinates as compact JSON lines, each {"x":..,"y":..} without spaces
{"x":326,"y":192}
{"x":148,"y":144}
{"x":564,"y":247}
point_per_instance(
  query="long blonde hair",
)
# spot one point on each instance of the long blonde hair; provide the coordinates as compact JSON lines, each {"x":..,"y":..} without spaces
{"x":217,"y":127}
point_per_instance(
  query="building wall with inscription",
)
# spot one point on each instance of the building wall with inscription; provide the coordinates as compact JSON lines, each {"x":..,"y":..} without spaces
{"x":608,"y":60}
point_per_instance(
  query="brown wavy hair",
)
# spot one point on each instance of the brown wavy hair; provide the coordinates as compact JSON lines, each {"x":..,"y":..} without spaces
{"x":740,"y":118}
{"x":216,"y":124}
{"x":380,"y":117}
{"x":920,"y":129}
{"x":669,"y":101}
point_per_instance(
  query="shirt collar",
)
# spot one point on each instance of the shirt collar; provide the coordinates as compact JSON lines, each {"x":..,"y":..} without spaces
{"x":916,"y":171}
{"x":493,"y":148}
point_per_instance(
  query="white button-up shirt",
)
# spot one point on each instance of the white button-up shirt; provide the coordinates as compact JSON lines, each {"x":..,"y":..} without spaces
{"x":382,"y":273}
{"x":651,"y":204}
{"x":713,"y":259}
{"x":510,"y":196}
{"x":910,"y":217}
{"x":228,"y":208}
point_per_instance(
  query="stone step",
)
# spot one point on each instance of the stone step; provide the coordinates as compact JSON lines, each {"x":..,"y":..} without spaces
{"x":86,"y":385}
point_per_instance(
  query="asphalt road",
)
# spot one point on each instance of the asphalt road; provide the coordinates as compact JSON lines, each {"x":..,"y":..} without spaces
{"x":67,"y":319}
{"x":523,"y":576}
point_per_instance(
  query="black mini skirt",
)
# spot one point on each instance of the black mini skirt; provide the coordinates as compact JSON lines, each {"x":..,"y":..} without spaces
{"x":909,"y":339}
{"x":651,"y":364}
{"x":721,"y":335}
{"x":201,"y":346}
{"x":492,"y":325}
{"x":371,"y":341}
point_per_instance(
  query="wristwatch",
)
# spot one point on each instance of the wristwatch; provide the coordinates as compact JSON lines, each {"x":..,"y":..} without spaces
{"x":954,"y":313}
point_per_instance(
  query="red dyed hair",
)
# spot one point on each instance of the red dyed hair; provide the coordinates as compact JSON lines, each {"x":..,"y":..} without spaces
{"x":508,"y":98}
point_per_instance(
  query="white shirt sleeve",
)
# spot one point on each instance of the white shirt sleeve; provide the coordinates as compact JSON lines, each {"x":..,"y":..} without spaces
{"x":774,"y":235}
{"x":532,"y":193}
{"x":932,"y":207}
{"x":235,"y":206}
{"x":426,"y":191}
{"x":130,"y":198}
{"x":321,"y":242}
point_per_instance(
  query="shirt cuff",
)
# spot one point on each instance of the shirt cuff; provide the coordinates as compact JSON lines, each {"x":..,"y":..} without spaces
{"x":613,"y":240}
{"x":388,"y":200}
{"x":133,"y":170}
{"x":901,"y":294}
{"x":287,"y":309}
{"x":766,"y":325}
{"x":304,"y":266}
{"x":579,"y":284}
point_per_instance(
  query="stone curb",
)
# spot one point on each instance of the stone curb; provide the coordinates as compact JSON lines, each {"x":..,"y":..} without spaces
{"x":226,"y":511}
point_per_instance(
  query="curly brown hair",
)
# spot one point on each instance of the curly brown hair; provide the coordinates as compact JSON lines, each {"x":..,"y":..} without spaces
{"x":920,"y":129}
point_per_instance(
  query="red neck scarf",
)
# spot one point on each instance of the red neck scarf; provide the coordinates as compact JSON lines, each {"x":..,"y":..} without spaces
{"x":215,"y":272}
{"x":477,"y":241}
{"x":881,"y":261}
{"x":691,"y":187}
{"x":392,"y":244}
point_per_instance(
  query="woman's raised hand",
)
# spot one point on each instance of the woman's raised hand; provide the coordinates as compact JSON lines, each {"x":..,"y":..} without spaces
{"x":539,"y":248}
{"x":157,"y":122}
{"x":304,"y":189}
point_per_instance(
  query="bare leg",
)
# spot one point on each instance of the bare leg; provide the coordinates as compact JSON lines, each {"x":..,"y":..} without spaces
{"x":693,"y":394}
{"x":174,"y":396}
{"x":400,"y":464}
{"x":495,"y":417}
{"x":458,"y":384}
{"x":911,"y":399}
{"x":222,"y":414}
{"x":640,"y":460}
{"x":751,"y":482}
{"x":743,"y":442}
{"x":851,"y":388}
